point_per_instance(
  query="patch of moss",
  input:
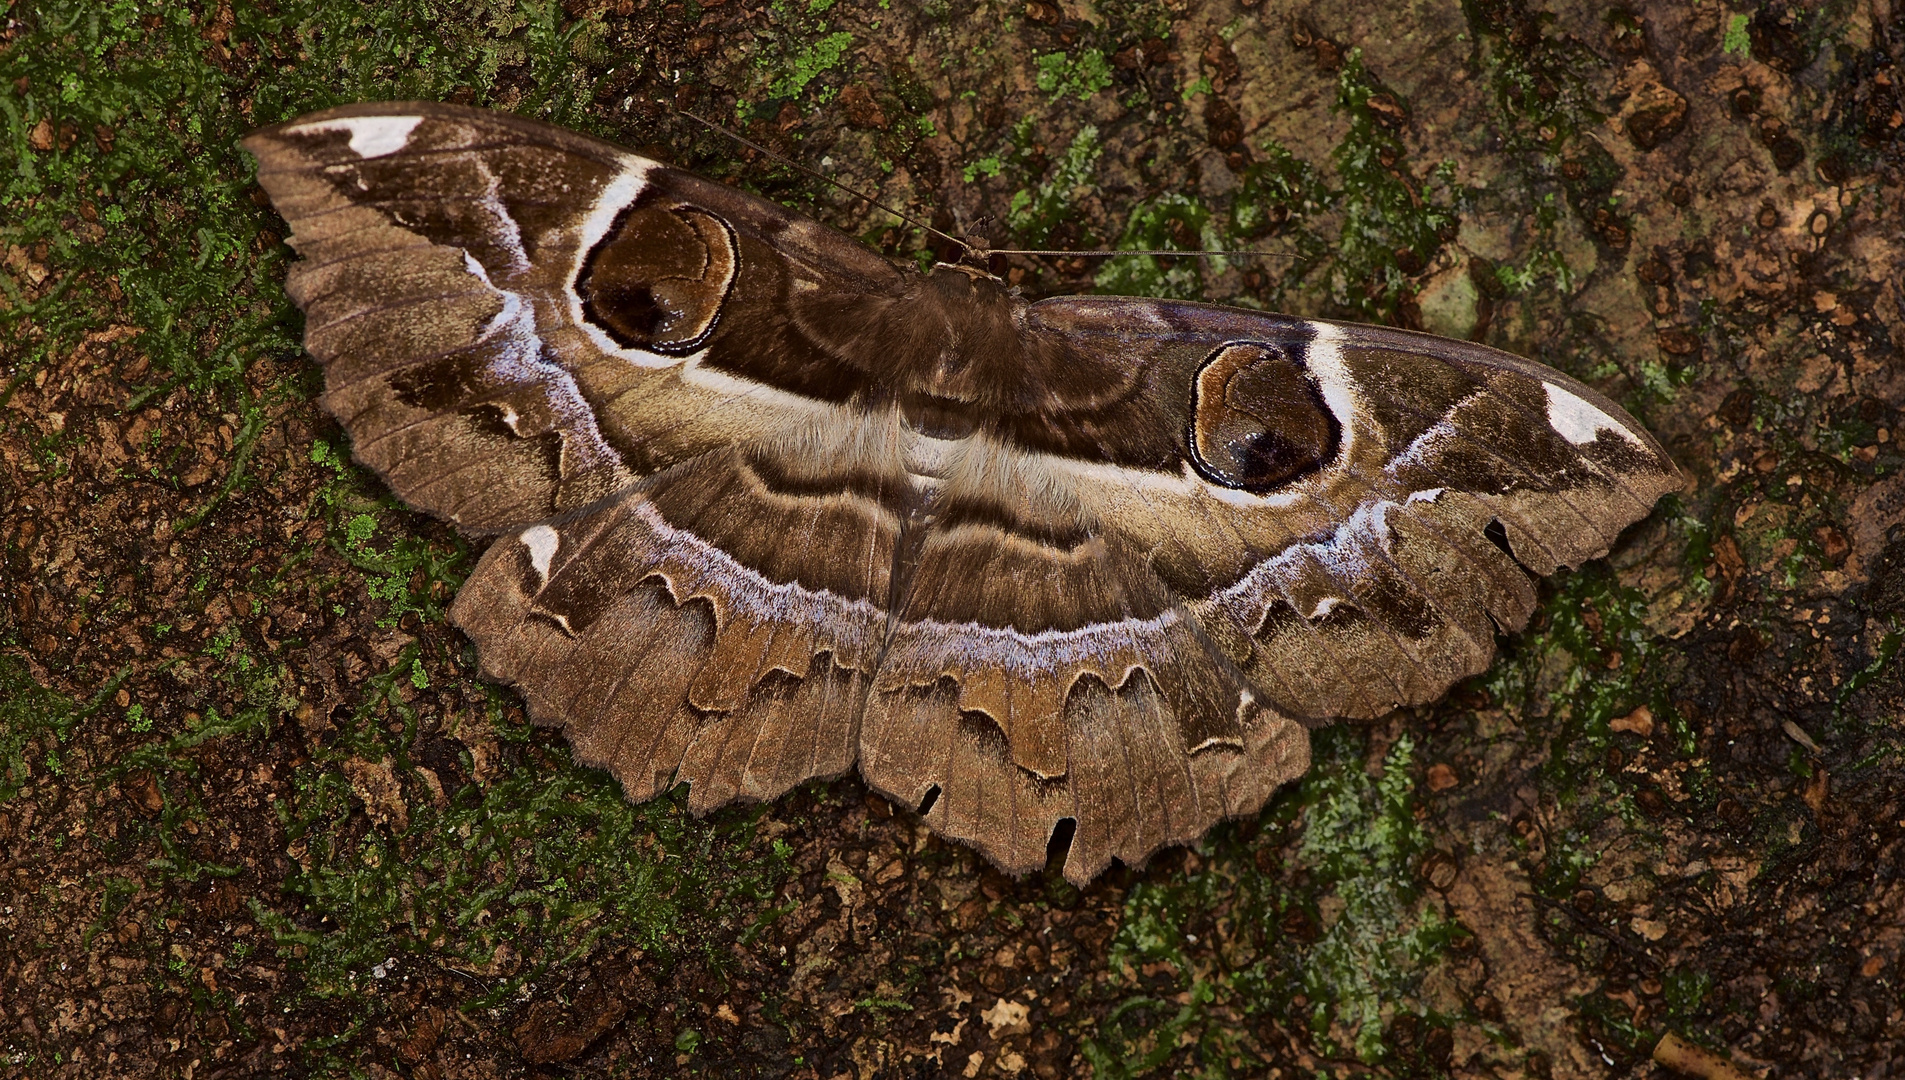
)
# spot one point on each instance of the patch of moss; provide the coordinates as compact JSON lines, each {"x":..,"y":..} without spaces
{"x":504,"y":878}
{"x":800,"y":50}
{"x":1319,"y":918}
{"x":414,"y":575}
{"x":34,"y":722}
{"x":1593,"y":661}
{"x":1078,"y":75}
{"x":1393,"y":222}
{"x":1276,"y":189}
{"x":813,"y":60}
{"x":1171,"y":221}
{"x":1036,"y":211}
{"x":1540,"y":96}
{"x":142,"y":210}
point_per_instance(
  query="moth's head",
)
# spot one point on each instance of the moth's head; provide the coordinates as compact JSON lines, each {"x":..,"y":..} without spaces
{"x":970,"y":252}
{"x":979,"y":256}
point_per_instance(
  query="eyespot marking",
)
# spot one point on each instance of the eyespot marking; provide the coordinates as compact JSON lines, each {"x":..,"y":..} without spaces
{"x":659,"y":277}
{"x":1259,"y":420}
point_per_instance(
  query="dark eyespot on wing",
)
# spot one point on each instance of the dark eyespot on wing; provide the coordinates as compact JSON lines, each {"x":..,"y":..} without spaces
{"x":659,"y":277}
{"x":1258,"y":420}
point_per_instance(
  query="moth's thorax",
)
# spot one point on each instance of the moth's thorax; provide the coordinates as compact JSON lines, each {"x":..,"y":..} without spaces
{"x":951,"y":385}
{"x":979,"y":351}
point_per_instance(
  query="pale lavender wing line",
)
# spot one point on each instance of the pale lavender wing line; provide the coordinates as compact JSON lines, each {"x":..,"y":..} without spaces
{"x":1513,"y":464}
{"x":811,"y":529}
{"x":620,"y":507}
{"x":1161,"y":706}
{"x":1317,"y":637}
{"x":1162,"y":519}
{"x":1378,"y":551}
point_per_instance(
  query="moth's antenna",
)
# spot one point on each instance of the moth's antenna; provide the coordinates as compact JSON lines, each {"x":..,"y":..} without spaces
{"x":1104,"y":254}
{"x":824,"y":178}
{"x":976,"y":249}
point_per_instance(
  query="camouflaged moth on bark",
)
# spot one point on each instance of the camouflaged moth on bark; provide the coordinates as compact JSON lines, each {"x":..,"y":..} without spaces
{"x":768,"y":506}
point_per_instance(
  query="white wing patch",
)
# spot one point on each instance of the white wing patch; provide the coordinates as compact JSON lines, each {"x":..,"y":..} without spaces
{"x":615,"y":197}
{"x":371,"y":136}
{"x":1580,"y":423}
{"x":542,"y":541}
{"x":1324,"y":358}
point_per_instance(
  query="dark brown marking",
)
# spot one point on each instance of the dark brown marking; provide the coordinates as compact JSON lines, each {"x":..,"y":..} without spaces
{"x":937,"y":417}
{"x":444,"y":383}
{"x":1398,"y":604}
{"x":1258,"y":420}
{"x":767,"y":334}
{"x":660,"y":277}
{"x":787,"y":539}
{"x":797,"y":479}
{"x":1062,"y":536}
{"x":1406,"y":392}
{"x":1277,"y":618}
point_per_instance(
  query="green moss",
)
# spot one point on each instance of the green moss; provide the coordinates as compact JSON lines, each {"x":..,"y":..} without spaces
{"x":986,"y":167}
{"x":510,"y":877}
{"x":1035,"y":212}
{"x":795,"y":55}
{"x":1361,"y":841}
{"x":1276,"y":189}
{"x":1078,"y":75}
{"x":1167,"y":222}
{"x":1541,"y":97}
{"x":1393,"y":224}
{"x":35,"y":722}
{"x":145,"y":209}
{"x":813,"y":60}
{"x":1334,"y":935}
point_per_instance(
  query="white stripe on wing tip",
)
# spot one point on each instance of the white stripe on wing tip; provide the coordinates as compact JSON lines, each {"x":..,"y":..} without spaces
{"x":1579,"y":422}
{"x":371,"y":136}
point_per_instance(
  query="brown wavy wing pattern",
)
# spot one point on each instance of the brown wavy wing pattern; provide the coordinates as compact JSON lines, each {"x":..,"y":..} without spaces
{"x":1198,"y":621}
{"x":673,"y":649}
{"x":771,"y":505}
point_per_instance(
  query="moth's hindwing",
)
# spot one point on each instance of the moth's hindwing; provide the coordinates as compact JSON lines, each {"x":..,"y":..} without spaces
{"x":768,"y":506}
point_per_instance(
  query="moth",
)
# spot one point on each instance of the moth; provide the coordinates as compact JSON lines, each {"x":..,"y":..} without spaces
{"x":768,"y":506}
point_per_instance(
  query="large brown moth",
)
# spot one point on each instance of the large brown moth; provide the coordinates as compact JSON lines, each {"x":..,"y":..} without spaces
{"x":768,"y":506}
